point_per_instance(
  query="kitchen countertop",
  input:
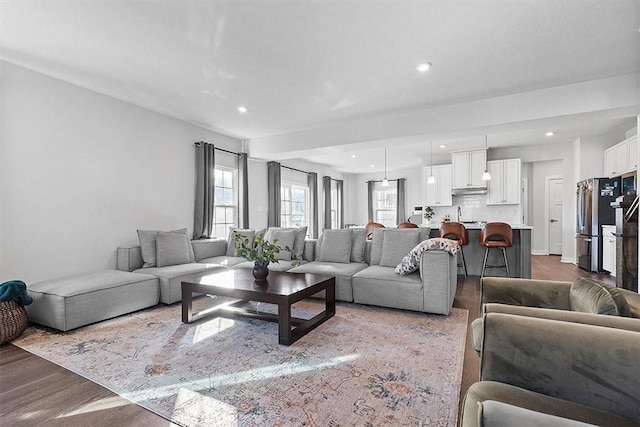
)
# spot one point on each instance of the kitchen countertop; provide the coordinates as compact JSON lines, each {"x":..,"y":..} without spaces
{"x":478,"y":225}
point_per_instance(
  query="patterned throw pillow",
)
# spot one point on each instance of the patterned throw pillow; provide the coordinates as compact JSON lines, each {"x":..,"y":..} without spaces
{"x":411,"y":261}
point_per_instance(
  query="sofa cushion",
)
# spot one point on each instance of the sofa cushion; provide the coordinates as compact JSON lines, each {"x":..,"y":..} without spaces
{"x":249,"y":234}
{"x":148,"y":246}
{"x":172,"y":249}
{"x":358,"y":241}
{"x":335,"y":246}
{"x":341,"y":271}
{"x":396,"y":244}
{"x":377,"y":243}
{"x":378,"y":285}
{"x":589,"y":296}
{"x":285,"y":237}
{"x":172,"y":276}
{"x":411,"y":261}
{"x":70,"y":302}
{"x":223,"y":260}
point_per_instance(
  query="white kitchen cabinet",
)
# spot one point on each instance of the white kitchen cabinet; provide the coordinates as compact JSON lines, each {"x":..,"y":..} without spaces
{"x":468,"y":167}
{"x":439,"y":193}
{"x":609,"y":249}
{"x":504,"y":186}
{"x":633,"y":152}
{"x":622,"y":157}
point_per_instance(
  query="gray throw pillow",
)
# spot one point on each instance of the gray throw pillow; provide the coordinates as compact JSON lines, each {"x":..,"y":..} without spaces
{"x":396,"y":244}
{"x":589,"y":296}
{"x":231,"y":243}
{"x":336,"y":246}
{"x":358,"y":239}
{"x":172,"y":249}
{"x":285,"y":237}
{"x":147,"y":240}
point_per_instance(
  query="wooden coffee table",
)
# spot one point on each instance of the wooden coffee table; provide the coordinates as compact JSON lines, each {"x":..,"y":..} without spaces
{"x":280,"y":288}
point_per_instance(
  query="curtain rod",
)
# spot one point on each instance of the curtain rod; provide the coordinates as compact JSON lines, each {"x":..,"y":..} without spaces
{"x":332,"y":179}
{"x":294,"y":169}
{"x":199,"y":143}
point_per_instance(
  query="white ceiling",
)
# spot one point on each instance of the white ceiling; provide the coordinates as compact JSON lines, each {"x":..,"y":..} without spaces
{"x":300,"y":66}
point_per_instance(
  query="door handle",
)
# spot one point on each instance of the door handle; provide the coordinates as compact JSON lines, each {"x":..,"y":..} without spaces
{"x":553,"y":220}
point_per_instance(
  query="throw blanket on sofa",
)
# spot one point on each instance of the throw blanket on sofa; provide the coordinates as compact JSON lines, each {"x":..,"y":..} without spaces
{"x":411,"y":261}
{"x":15,"y":290}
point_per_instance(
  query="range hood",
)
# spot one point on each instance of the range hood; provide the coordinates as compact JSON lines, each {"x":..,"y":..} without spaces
{"x":469,"y":191}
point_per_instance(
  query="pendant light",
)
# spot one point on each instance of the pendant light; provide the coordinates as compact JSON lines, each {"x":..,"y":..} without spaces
{"x":385,"y":181}
{"x":431,"y":179}
{"x":486,"y":176}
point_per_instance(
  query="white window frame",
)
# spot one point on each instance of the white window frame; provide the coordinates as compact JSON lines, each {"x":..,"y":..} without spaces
{"x":221,"y":226}
{"x":385,"y":201}
{"x":286,"y":215}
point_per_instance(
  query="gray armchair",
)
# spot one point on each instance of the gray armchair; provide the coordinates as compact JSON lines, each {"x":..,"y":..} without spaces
{"x":582,"y":301}
{"x":556,"y":372}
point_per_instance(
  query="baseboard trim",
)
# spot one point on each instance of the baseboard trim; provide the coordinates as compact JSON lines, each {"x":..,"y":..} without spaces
{"x":568,"y":260}
{"x":539,"y":253}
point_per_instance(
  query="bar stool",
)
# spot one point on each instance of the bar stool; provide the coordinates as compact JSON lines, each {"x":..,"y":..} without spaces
{"x":496,"y":235}
{"x":456,"y":231}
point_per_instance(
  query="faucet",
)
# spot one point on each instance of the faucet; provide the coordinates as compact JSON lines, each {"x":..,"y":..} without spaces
{"x":459,"y":213}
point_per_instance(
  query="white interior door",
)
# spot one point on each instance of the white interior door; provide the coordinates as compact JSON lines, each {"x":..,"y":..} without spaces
{"x":555,"y":216}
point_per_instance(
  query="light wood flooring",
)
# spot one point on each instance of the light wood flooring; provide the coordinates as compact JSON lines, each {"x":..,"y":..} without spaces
{"x":35,"y":392}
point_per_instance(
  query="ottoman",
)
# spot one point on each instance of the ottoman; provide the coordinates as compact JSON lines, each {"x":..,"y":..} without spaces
{"x":73,"y":301}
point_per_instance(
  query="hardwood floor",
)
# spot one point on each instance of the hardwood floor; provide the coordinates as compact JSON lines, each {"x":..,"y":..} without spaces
{"x":34,"y":391}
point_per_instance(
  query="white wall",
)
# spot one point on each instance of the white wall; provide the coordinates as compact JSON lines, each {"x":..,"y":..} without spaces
{"x":358,"y":190}
{"x":80,"y":172}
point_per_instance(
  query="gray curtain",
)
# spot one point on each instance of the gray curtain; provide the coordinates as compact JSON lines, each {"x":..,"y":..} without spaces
{"x":370,"y":187}
{"x":401,"y":215}
{"x":273,"y":189}
{"x":205,"y":191}
{"x":326,"y":191}
{"x":312,"y":182}
{"x":243,"y":197}
{"x":339,"y":186}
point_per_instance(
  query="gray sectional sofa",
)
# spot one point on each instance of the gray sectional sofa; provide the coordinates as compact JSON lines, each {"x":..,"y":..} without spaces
{"x":364,"y":271}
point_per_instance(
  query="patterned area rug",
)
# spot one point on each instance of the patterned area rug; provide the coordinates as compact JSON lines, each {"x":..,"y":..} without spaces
{"x":366,"y":366}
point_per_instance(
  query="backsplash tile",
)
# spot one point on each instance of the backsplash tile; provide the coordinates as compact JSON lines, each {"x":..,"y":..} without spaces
{"x":474,"y":208}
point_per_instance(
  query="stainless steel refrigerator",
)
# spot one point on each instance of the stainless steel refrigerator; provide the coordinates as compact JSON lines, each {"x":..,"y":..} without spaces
{"x":593,"y":210}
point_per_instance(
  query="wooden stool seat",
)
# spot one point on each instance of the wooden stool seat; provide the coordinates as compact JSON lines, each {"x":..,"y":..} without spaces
{"x":456,"y":231}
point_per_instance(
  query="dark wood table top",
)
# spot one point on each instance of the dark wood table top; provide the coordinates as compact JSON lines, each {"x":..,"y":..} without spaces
{"x":277,"y":283}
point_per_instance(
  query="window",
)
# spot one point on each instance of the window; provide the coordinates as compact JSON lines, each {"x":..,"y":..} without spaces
{"x":225,"y":201}
{"x":293,"y":206}
{"x":385,"y":202}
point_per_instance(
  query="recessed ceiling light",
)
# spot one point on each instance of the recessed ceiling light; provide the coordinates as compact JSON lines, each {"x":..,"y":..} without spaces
{"x":424,"y":67}
{"x":353,"y":156}
{"x":373,"y":166}
{"x":549,"y":133}
{"x":443,"y":146}
{"x":242,"y":109}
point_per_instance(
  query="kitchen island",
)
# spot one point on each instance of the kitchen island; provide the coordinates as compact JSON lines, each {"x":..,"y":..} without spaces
{"x":519,"y":255}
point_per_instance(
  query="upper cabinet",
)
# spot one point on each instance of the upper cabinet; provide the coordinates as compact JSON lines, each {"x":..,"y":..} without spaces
{"x":622,"y":157}
{"x":504,"y":186}
{"x":438,"y":193}
{"x":468,"y":167}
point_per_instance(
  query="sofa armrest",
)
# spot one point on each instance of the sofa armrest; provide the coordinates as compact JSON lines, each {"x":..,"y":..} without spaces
{"x":129,"y":258}
{"x":438,"y":271}
{"x":207,"y":248}
{"x":591,"y":365}
{"x":525,"y":292}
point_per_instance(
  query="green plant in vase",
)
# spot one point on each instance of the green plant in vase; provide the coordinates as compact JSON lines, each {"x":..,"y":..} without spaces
{"x":428,"y":213}
{"x":262,"y":252}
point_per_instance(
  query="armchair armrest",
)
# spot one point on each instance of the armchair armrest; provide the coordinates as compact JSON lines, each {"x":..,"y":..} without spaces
{"x":590,"y":365}
{"x":525,"y":292}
